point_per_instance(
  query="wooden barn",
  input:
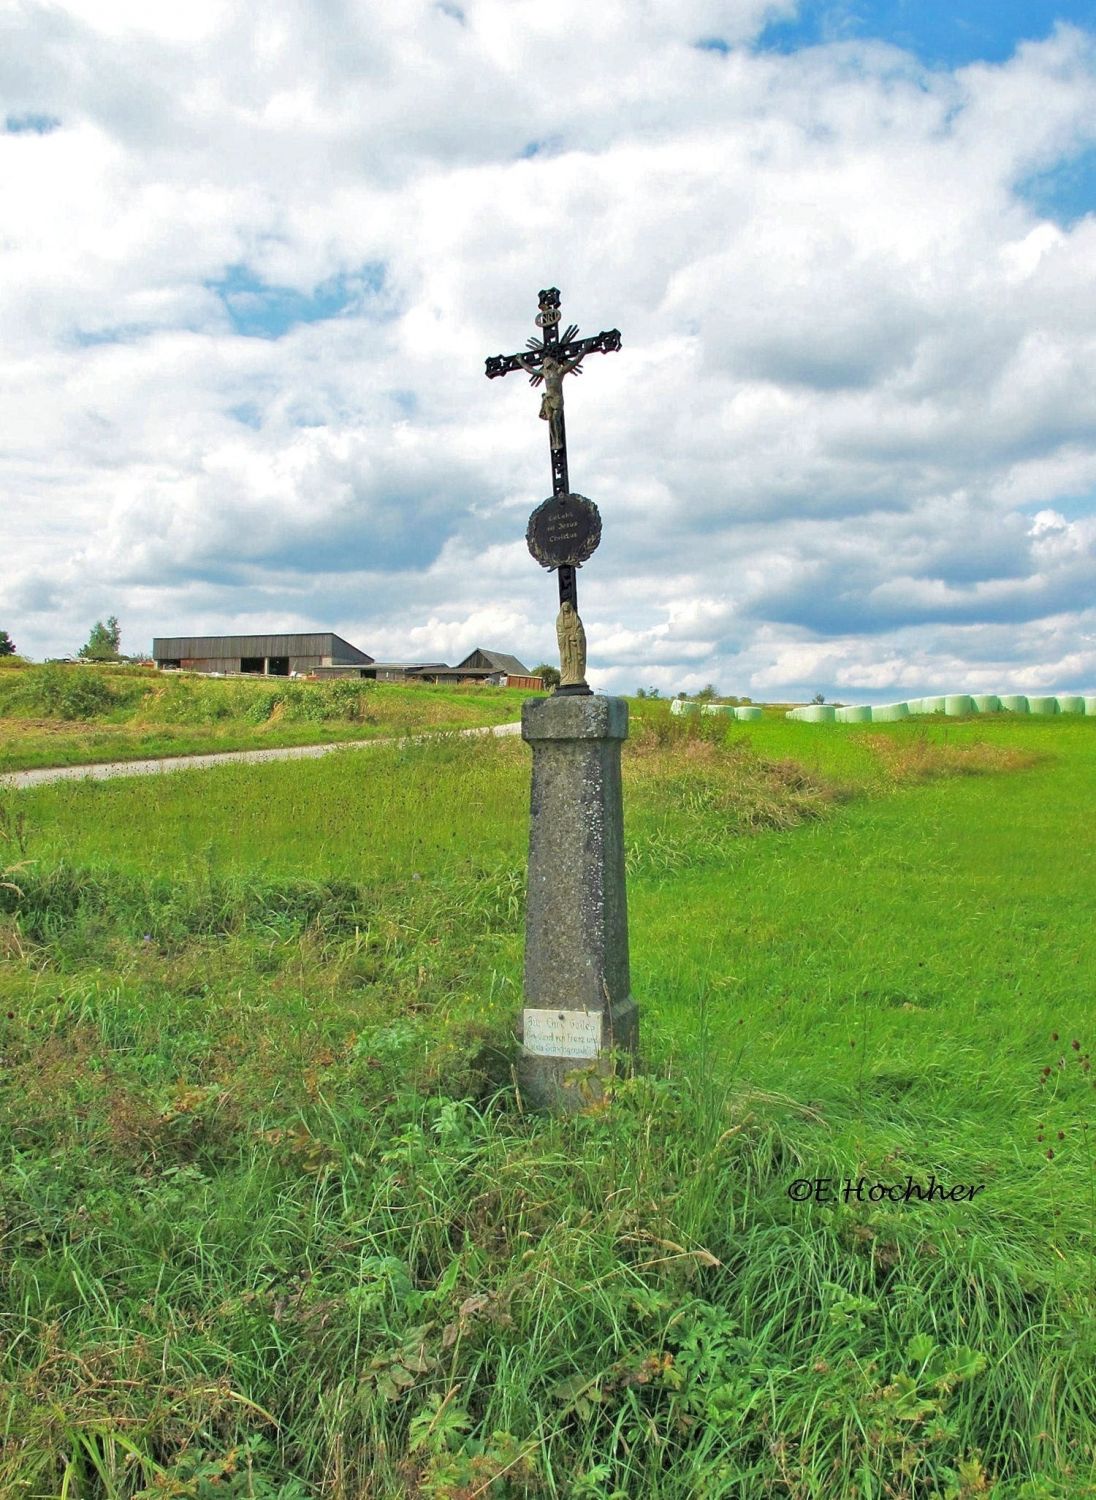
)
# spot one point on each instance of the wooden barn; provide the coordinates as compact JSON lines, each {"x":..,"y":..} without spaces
{"x":261,"y":655}
{"x":481,"y":665}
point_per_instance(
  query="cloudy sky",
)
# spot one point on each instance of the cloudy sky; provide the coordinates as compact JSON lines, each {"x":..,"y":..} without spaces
{"x":252,"y":260}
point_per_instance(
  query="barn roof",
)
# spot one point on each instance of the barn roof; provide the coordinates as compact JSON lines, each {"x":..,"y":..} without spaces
{"x":496,"y":661}
{"x":212,"y":647}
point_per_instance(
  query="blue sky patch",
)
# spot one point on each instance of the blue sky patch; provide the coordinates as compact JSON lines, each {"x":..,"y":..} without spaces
{"x":941,"y":36}
{"x":86,"y":338}
{"x":260,"y":310}
{"x":713,"y":44}
{"x":31,"y":124}
{"x":551,"y":145}
{"x":247,"y":413}
{"x":1066,"y":192}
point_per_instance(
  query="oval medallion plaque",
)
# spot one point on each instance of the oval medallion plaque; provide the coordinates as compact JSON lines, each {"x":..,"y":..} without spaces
{"x":564,"y":531}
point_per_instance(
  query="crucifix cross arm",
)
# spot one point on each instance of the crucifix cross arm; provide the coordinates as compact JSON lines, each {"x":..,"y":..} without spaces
{"x":570,"y":350}
{"x":606,"y":342}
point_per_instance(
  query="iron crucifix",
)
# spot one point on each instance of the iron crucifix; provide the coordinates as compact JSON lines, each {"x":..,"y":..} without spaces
{"x":546,"y":361}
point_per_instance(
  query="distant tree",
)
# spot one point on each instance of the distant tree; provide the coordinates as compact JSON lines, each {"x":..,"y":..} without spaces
{"x":7,"y":645}
{"x":681,"y":695}
{"x":653,"y":692}
{"x":707,"y":693}
{"x":103,"y":642}
{"x":548,"y":674}
{"x":819,"y":698}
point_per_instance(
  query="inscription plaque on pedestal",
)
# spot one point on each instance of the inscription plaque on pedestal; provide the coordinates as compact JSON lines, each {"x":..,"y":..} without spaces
{"x":564,"y":531}
{"x":562,"y":1033}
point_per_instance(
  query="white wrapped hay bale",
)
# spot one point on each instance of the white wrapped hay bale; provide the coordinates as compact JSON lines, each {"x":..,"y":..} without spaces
{"x":889,"y":713}
{"x":958,"y":704}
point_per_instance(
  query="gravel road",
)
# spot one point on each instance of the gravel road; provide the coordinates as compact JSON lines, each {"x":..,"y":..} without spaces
{"x":15,"y":780}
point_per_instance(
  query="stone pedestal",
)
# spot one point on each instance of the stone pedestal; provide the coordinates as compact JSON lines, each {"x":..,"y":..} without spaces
{"x":578,"y":1005}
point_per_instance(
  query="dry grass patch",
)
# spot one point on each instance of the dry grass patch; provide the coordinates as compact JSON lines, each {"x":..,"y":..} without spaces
{"x":923,"y":759}
{"x":700,"y":776}
{"x":15,"y":728}
{"x":689,"y":802}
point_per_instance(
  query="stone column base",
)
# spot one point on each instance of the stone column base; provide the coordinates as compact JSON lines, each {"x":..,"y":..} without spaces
{"x":578,"y":1005}
{"x":565,"y":1085}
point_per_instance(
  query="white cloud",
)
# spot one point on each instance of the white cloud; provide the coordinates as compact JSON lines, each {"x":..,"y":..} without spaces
{"x":851,"y":437}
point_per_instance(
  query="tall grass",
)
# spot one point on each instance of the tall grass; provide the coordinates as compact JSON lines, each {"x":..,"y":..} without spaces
{"x":71,"y":715}
{"x":438,"y":1297}
{"x":275,"y":1223}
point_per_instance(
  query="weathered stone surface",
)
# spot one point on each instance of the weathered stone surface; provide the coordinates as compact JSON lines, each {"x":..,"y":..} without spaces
{"x":576,"y":925}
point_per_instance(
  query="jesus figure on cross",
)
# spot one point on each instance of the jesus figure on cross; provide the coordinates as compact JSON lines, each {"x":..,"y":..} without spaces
{"x":552,"y":372}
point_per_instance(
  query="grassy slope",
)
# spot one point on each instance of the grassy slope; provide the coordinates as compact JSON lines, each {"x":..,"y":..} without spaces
{"x":253,"y":1194}
{"x":76,"y":715}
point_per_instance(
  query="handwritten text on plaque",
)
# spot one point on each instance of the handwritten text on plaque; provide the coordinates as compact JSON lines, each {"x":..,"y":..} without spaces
{"x":562,"y":1033}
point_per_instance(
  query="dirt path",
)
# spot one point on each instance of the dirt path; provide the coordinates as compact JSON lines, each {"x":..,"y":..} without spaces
{"x":16,"y":780}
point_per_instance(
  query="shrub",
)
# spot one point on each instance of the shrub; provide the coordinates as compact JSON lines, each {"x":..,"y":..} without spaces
{"x":59,"y":692}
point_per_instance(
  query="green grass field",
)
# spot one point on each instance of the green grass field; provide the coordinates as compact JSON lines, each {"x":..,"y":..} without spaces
{"x":69,"y":714}
{"x":274,"y":1223}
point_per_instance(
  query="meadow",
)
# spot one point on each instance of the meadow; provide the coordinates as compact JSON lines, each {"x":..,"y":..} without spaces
{"x":275,"y":1222}
{"x":63,"y":714}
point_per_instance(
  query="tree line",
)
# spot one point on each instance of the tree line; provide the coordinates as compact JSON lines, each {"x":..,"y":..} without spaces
{"x":104,"y":643}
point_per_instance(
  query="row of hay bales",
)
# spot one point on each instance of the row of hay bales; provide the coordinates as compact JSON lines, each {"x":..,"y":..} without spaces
{"x":743,"y":712}
{"x":954,"y":705}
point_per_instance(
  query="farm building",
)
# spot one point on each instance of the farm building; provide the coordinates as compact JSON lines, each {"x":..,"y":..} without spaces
{"x":489,"y":666}
{"x":385,"y":671}
{"x":263,"y":655}
{"x":492,"y":667}
{"x":328,"y":655}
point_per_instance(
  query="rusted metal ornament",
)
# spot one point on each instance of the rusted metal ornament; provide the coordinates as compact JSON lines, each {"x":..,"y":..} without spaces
{"x":564,"y":531}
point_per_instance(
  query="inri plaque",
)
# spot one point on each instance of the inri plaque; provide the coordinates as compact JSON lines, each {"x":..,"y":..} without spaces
{"x":564,"y":531}
{"x":562,"y":1033}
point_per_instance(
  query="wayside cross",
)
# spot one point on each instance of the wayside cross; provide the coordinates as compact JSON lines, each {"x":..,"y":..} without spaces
{"x":546,"y":361}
